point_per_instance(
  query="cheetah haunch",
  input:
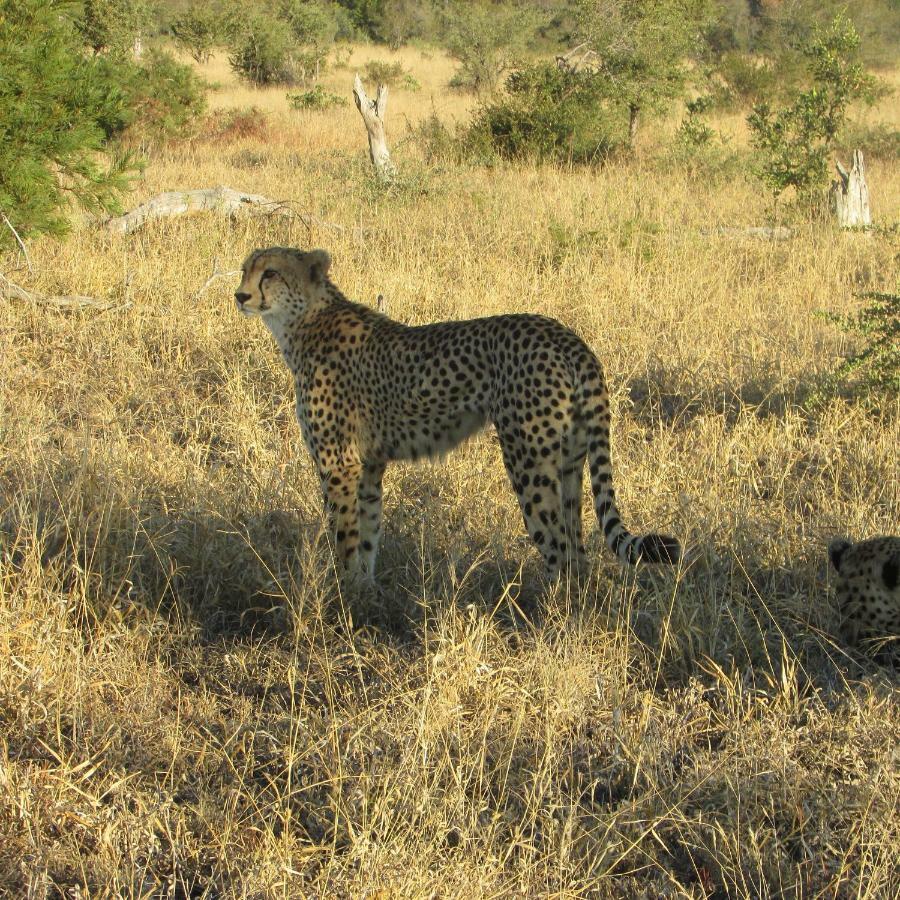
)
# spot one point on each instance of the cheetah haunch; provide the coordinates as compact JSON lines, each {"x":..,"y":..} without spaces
{"x":868,"y":588}
{"x":371,"y":390}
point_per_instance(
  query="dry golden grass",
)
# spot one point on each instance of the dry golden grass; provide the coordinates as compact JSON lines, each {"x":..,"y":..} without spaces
{"x":188,"y":707}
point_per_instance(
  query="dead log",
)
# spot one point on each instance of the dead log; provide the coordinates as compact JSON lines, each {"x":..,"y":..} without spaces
{"x":176,"y":203}
{"x":850,"y":194}
{"x":372,"y":112}
{"x":221,"y":200}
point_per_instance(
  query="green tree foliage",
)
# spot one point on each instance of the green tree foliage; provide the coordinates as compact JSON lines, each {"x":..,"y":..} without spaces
{"x":165,"y":98}
{"x":644,"y":48}
{"x":202,"y":27}
{"x":113,"y":25}
{"x":546,"y":114}
{"x":873,"y":371}
{"x":793,"y":143}
{"x":57,"y":107}
{"x":264,"y":52}
{"x":288,"y":44}
{"x":487,"y":41}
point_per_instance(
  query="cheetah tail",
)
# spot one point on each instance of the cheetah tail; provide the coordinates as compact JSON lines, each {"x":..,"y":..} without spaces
{"x":629,"y":548}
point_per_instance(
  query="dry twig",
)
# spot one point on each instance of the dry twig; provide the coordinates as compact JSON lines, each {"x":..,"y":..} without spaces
{"x":214,"y":277}
{"x":10,"y":289}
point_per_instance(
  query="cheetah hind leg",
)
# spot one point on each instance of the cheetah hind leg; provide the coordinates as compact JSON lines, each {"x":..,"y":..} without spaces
{"x":536,"y":481}
{"x":369,"y":505}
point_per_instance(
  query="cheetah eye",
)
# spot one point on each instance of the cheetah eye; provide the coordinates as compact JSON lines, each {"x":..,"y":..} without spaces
{"x":269,"y":273}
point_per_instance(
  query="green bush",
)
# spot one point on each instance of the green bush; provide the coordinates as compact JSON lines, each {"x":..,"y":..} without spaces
{"x":436,"y":141}
{"x":113,"y":25}
{"x":698,"y":149}
{"x":316,"y":98}
{"x":793,"y":144}
{"x":487,"y":41}
{"x":266,"y":53}
{"x":166,"y":97}
{"x":392,"y":74}
{"x":875,"y":369}
{"x":546,"y":114}
{"x":744,"y":80}
{"x":202,"y":27}
{"x":57,"y":110}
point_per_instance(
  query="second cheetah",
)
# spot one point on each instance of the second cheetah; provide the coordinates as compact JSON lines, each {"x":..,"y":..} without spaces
{"x":371,"y":390}
{"x":868,"y":590}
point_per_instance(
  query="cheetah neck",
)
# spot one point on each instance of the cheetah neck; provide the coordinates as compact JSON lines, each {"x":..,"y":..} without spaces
{"x":288,"y":324}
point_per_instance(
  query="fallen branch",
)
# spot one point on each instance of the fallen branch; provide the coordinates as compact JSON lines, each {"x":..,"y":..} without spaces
{"x":218,"y":199}
{"x":9,"y":289}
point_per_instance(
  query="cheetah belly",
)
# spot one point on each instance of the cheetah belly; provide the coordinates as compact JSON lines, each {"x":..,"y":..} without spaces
{"x":431,"y":435}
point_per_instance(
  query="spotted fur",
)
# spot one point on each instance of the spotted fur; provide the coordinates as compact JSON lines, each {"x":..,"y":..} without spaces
{"x":371,"y":390}
{"x":868,"y":589}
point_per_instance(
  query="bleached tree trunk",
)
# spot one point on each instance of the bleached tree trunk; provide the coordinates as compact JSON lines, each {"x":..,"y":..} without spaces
{"x":850,"y":195}
{"x":372,"y":112}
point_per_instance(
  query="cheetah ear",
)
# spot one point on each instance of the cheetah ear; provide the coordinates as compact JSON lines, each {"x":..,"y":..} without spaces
{"x":836,"y":550}
{"x":319,"y":264}
{"x":891,"y":571}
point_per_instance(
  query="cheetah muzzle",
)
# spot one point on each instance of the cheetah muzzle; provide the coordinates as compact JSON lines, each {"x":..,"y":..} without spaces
{"x":371,"y":390}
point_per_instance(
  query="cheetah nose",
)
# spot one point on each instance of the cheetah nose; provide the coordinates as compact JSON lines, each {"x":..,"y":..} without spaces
{"x":241,"y":297}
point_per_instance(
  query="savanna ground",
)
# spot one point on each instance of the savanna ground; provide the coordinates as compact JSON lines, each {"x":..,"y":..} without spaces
{"x":188,"y":706}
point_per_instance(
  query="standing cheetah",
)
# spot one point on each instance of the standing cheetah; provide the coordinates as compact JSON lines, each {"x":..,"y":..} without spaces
{"x":868,"y":588}
{"x":371,"y":390}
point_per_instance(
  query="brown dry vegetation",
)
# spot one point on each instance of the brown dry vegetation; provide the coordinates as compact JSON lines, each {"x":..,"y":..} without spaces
{"x":188,"y":707}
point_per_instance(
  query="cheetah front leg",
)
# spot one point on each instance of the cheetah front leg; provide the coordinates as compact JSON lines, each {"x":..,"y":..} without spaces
{"x":340,"y":487}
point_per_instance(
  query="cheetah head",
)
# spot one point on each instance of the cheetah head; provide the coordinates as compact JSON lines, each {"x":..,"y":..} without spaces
{"x":868,"y":586}
{"x":282,"y":281}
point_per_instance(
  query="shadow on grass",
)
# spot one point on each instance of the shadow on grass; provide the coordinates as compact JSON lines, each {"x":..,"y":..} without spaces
{"x":251,"y":576}
{"x":674,"y":398}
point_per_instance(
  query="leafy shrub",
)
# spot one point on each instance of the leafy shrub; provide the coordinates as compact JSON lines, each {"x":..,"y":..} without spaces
{"x":487,"y":41}
{"x":44,"y":168}
{"x":113,"y":25}
{"x":875,"y":369}
{"x":697,"y":148}
{"x":392,"y":74}
{"x":546,"y":113}
{"x":744,"y":80}
{"x":316,"y":98}
{"x":166,"y":97}
{"x":265,"y":53}
{"x":201,"y":27}
{"x":793,"y":143}
{"x":436,"y":141}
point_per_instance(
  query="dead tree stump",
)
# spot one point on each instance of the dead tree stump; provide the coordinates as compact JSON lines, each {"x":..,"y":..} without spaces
{"x":372,"y":112}
{"x":850,"y":195}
